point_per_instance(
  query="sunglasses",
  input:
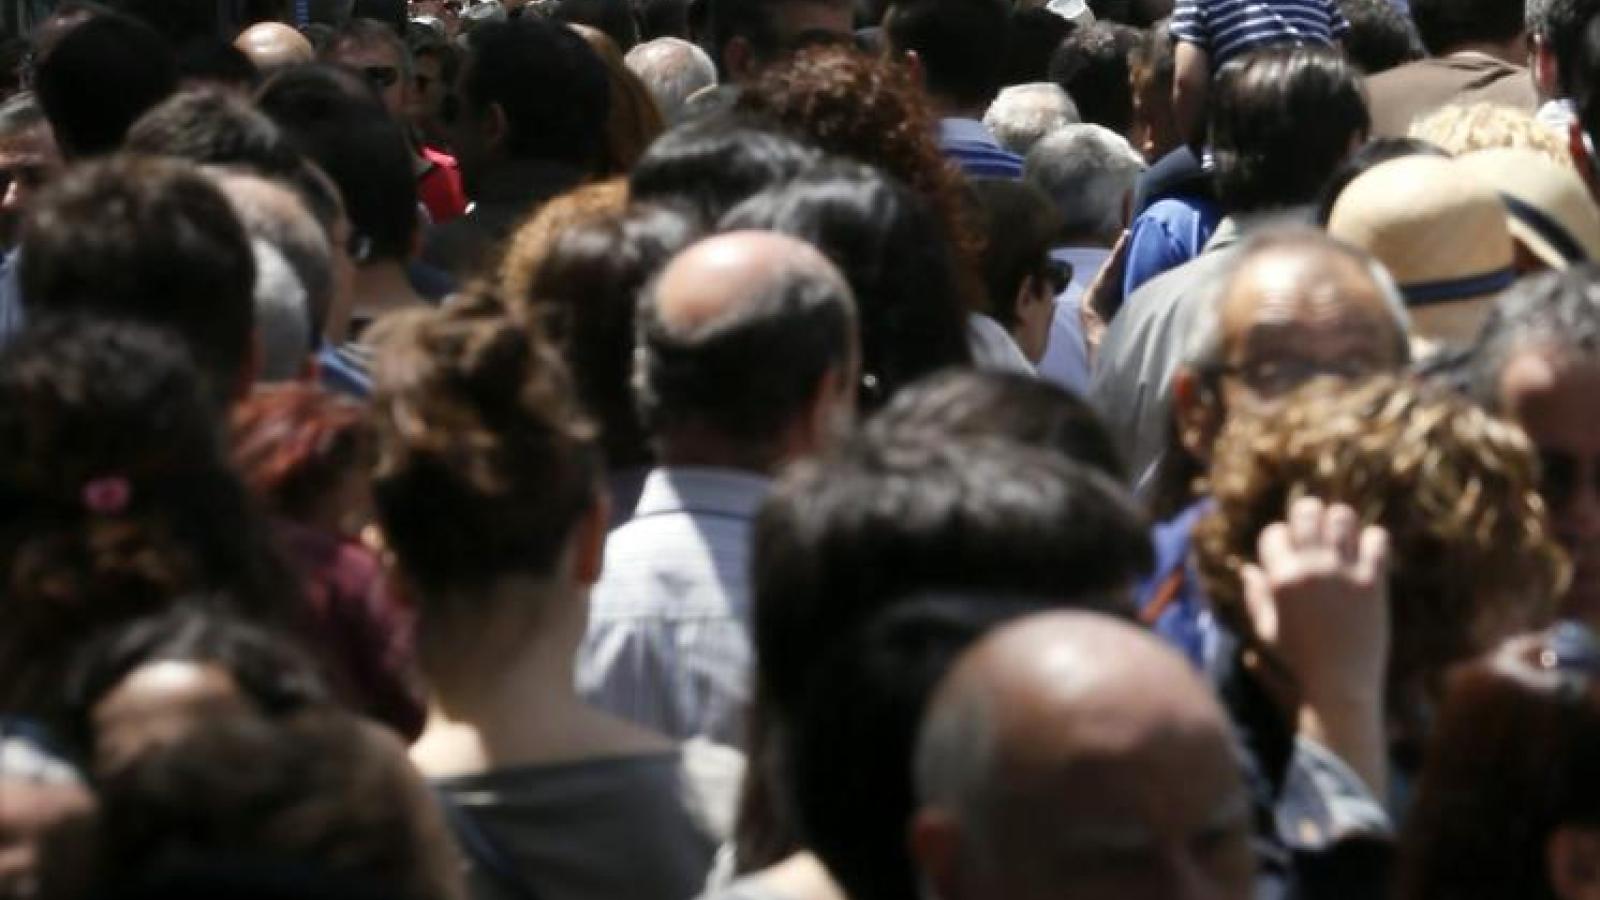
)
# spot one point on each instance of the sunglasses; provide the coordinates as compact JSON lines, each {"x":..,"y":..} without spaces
{"x":382,"y":77}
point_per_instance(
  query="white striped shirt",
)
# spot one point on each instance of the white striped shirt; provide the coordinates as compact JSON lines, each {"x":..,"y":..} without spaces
{"x":1229,"y":28}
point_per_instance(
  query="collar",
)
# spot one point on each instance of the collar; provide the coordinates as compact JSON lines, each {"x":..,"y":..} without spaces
{"x":702,"y":490}
{"x":965,"y":131}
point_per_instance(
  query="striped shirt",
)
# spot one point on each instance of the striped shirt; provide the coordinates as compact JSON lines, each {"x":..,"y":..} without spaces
{"x":1228,"y":28}
{"x":968,"y":143}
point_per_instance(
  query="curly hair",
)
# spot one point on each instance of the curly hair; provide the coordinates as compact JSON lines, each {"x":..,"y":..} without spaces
{"x":1462,"y":128}
{"x":868,"y":109}
{"x":1474,"y":557}
{"x":532,"y":241}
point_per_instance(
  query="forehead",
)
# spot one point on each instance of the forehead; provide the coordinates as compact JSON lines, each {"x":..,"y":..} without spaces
{"x":1302,"y":289}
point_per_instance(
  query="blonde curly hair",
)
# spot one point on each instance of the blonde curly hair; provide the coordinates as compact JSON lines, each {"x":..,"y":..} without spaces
{"x":1459,"y":129}
{"x":1473,"y":555}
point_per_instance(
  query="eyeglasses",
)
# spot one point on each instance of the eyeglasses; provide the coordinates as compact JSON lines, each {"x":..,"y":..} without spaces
{"x":382,"y":77}
{"x":1561,"y":475}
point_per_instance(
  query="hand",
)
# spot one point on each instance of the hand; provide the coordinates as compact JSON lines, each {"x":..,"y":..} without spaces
{"x":1097,"y":305}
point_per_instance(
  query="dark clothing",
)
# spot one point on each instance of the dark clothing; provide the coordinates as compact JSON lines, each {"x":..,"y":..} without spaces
{"x":1178,"y":174}
{"x":1399,"y":97}
{"x":509,"y":194}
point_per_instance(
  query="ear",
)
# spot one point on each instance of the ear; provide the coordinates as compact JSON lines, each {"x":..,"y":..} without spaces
{"x":589,"y":540}
{"x":1572,"y":859}
{"x":935,"y":843}
{"x":832,"y":406}
{"x":1197,"y":410}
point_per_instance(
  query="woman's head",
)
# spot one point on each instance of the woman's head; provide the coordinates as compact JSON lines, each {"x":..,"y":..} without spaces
{"x":117,"y":497}
{"x":1020,"y":225}
{"x":1474,"y":557}
{"x":1509,"y":804}
{"x":634,"y":119}
{"x":307,"y":455}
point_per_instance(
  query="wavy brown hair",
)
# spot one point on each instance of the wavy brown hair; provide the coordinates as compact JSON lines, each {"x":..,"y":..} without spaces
{"x":1473,"y":556}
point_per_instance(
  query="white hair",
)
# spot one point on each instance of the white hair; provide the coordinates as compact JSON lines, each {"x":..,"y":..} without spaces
{"x":283,"y":327}
{"x":1024,"y":113}
{"x":1088,"y":171}
{"x":674,"y":70}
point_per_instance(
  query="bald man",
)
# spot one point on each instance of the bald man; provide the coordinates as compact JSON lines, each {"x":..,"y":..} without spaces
{"x":274,"y":46}
{"x":1072,"y":755}
{"x":746,"y":359}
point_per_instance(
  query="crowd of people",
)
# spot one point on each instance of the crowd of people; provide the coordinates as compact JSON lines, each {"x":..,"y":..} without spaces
{"x":800,"y":449}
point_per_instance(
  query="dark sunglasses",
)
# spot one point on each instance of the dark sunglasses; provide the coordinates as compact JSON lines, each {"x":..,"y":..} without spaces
{"x":381,"y":76}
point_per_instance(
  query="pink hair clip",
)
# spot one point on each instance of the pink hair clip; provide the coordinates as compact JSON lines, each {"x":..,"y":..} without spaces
{"x":107,"y":495}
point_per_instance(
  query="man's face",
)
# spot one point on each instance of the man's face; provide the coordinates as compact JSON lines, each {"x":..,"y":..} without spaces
{"x":28,"y":160}
{"x":1554,"y":400}
{"x":430,"y":88}
{"x":793,"y":24}
{"x":381,"y":66}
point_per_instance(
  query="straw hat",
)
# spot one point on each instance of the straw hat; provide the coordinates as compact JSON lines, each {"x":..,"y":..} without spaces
{"x":1549,"y":209}
{"x":1439,"y":230}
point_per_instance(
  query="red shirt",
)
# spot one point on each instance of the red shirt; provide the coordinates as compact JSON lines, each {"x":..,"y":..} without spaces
{"x":439,"y":187}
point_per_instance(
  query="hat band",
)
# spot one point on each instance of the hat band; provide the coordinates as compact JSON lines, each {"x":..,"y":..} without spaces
{"x":1552,"y":231}
{"x":1429,"y":292}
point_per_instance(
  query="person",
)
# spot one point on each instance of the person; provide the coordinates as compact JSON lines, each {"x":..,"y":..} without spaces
{"x":1035,"y":33}
{"x":1092,"y":66}
{"x":1556,"y":30}
{"x":1512,"y":744}
{"x":212,"y":126}
{"x":704,"y":168}
{"x":744,"y":37}
{"x":115,"y":487}
{"x":1477,"y":53}
{"x":1021,"y":275}
{"x":1462,"y":128}
{"x":674,"y":70}
{"x":634,"y":120}
{"x":1089,"y":173}
{"x":1154,"y":129}
{"x":29,"y":159}
{"x":1282,"y":121}
{"x":1553,"y":222}
{"x":152,"y":241}
{"x":1534,"y":365}
{"x":613,"y":18}
{"x":957,"y":49}
{"x":273,"y":46}
{"x":437,"y":62}
{"x":1022,"y":114}
{"x":1065,"y":739}
{"x":888,"y":245}
{"x":77,"y":65}
{"x":1443,"y":236}
{"x":382,"y":58}
{"x":487,"y":490}
{"x":1380,"y":36}
{"x":518,"y":148}
{"x":722,"y":426}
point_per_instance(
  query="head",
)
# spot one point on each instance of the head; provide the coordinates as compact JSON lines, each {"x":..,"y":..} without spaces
{"x":1515,"y":742}
{"x":704,"y":168}
{"x":29,"y":159}
{"x":71,"y":81}
{"x":635,"y":120}
{"x":151,"y":241}
{"x":888,"y":244}
{"x":1153,"y":67}
{"x":673,"y":69}
{"x":1447,"y":26}
{"x":1370,"y":155}
{"x":1023,"y":113}
{"x":1474,"y":558}
{"x":957,"y":47}
{"x":1459,"y":129}
{"x":1022,"y":225}
{"x":1441,"y":233}
{"x":214,"y":127}
{"x":1093,"y":65}
{"x":273,"y":47}
{"x":307,"y":455}
{"x":1281,"y":121}
{"x":1089,"y":173}
{"x":747,"y":352}
{"x":746,"y":36}
{"x":1552,"y":219}
{"x":1536,"y":363}
{"x":1380,"y":36}
{"x":1065,"y":740}
{"x":1556,"y":29}
{"x":374,"y":50}
{"x":1034,"y":35}
{"x":115,"y":484}
{"x":272,"y":212}
{"x":437,"y":61}
{"x":613,"y":17}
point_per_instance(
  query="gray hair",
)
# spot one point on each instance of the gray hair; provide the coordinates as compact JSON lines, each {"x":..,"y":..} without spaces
{"x":674,"y":70}
{"x":273,"y":212}
{"x":1558,"y":311}
{"x":283,"y":328}
{"x":1023,"y":114}
{"x":1088,"y":171}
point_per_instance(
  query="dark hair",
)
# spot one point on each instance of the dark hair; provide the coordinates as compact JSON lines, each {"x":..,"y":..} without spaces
{"x":1093,"y":65}
{"x":552,"y":87}
{"x":962,"y":44}
{"x":748,"y":372}
{"x":1380,"y":36}
{"x":1557,"y":311}
{"x":485,"y":464}
{"x":663,"y":18}
{"x":149,"y":240}
{"x":178,"y":20}
{"x":293,"y":444}
{"x":1035,"y":35}
{"x":974,"y":403}
{"x":1373,"y":153}
{"x":216,"y":127}
{"x":213,"y":60}
{"x":332,"y":117}
{"x":890,"y":247}
{"x":1516,"y":743}
{"x":99,"y":78}
{"x":1446,"y":25}
{"x":1562,"y":24}
{"x":1020,"y":226}
{"x":634,"y":120}
{"x":753,"y":20}
{"x":118,"y":499}
{"x":706,"y":167}
{"x":614,"y":17}
{"x":1282,"y":120}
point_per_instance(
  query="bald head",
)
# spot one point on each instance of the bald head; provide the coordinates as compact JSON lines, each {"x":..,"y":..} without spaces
{"x":721,"y":276}
{"x":1069,"y":736}
{"x":272,"y":46}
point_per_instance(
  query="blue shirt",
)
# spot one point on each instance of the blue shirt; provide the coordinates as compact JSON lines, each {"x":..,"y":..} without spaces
{"x":1186,"y":621}
{"x":1172,"y":231}
{"x":10,"y":295}
{"x":974,"y":149}
{"x":1228,"y":28}
{"x":345,"y":369}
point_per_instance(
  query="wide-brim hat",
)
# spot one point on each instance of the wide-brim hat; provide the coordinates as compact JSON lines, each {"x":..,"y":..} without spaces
{"x":1549,"y":210}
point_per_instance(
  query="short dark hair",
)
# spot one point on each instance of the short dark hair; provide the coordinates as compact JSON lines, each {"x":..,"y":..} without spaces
{"x":178,"y":20}
{"x":366,"y":32}
{"x":889,"y":245}
{"x":1380,"y":37}
{"x":663,"y":18}
{"x":552,"y":87}
{"x":1559,"y":311}
{"x":706,"y":167}
{"x":1371,"y":155}
{"x":214,"y":127}
{"x":213,"y":60}
{"x":1021,"y":225}
{"x":961,"y":44}
{"x":1282,"y":120}
{"x":99,"y":78}
{"x":748,"y":373}
{"x":1094,"y":66}
{"x":753,"y":20}
{"x":149,"y":240}
{"x":1561,"y":24}
{"x":1446,"y":25}
{"x":614,"y":17}
{"x":1035,"y":35}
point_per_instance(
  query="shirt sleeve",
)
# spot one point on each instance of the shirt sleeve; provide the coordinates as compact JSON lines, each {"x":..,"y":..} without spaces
{"x":1189,"y":24}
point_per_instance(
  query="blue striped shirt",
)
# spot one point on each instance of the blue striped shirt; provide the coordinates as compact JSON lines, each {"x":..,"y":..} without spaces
{"x":968,"y":143}
{"x":1228,"y":28}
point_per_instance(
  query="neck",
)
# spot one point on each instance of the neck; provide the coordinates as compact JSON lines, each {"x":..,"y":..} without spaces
{"x":382,"y":286}
{"x":1514,"y":52}
{"x":694,"y":446}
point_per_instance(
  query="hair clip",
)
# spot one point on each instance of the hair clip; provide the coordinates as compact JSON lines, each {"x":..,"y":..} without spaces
{"x":107,"y":495}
